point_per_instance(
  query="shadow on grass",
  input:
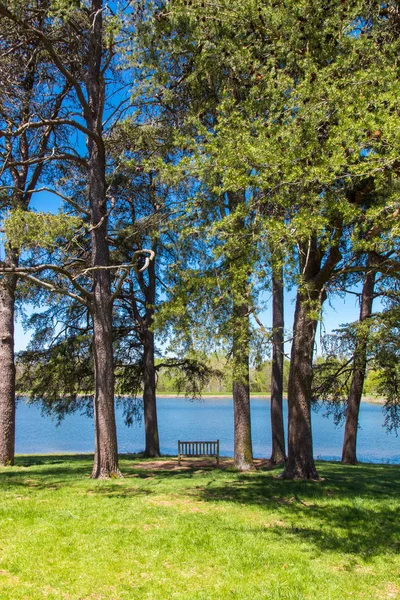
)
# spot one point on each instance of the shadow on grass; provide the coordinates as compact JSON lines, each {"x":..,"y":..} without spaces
{"x":353,"y":511}
{"x":54,"y":470}
{"x":47,"y":471}
{"x":358,"y":531}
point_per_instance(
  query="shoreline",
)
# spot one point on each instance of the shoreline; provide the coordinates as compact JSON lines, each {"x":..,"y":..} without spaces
{"x":368,"y":399}
{"x":161,"y":395}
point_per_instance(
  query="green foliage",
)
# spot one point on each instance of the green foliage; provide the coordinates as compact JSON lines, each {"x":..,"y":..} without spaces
{"x":331,"y":385}
{"x":220,"y":379}
{"x":60,"y":377}
{"x":190,"y":375}
{"x":386,"y":355}
{"x":29,"y":230}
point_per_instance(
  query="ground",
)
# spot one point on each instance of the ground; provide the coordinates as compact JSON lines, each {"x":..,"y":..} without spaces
{"x":197,"y":532}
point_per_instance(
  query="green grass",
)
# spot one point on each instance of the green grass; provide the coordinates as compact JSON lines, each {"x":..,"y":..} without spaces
{"x":197,"y":533}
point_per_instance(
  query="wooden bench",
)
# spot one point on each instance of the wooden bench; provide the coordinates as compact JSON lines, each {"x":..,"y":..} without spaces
{"x":188,"y":449}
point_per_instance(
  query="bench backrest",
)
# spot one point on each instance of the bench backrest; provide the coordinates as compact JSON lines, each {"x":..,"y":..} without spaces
{"x":198,"y":448}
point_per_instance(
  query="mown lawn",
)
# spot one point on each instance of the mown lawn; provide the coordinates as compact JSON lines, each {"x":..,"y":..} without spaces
{"x":197,"y":533}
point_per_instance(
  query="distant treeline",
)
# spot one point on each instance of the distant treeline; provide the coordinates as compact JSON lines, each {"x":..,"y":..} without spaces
{"x":260,"y":379}
{"x":168,"y":381}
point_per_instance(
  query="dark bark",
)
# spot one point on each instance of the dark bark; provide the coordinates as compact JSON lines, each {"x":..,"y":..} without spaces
{"x":349,"y":450}
{"x":278,"y":454}
{"x":316,"y":268}
{"x":106,"y":449}
{"x":7,"y":375}
{"x":152,"y":448}
{"x":300,"y":463}
{"x":310,"y":295}
{"x":243,"y":451}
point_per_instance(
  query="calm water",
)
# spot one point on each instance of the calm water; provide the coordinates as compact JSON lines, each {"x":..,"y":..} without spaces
{"x":209,"y":419}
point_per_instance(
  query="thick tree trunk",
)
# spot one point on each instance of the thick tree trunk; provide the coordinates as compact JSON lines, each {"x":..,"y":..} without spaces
{"x":152,"y":448}
{"x":349,"y":450}
{"x":243,"y":450}
{"x":300,"y":463}
{"x":7,"y":375}
{"x":278,"y":454}
{"x":106,"y":450}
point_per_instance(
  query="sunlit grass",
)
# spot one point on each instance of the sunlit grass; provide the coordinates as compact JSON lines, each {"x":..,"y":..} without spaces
{"x":200,"y":533}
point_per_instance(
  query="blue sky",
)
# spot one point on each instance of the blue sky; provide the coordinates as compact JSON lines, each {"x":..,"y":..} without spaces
{"x":337,"y":311}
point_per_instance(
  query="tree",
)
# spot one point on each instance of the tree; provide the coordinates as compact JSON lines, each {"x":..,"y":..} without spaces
{"x":141,"y":215}
{"x":306,"y":153}
{"x":278,"y":454}
{"x":349,"y":455}
{"x":29,"y":95}
{"x":80,"y":41}
{"x":189,"y":85}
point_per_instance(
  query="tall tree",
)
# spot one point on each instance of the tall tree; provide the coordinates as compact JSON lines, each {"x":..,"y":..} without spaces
{"x":298,"y":145}
{"x":190,"y":90}
{"x":29,"y":94}
{"x":80,"y":43}
{"x":141,"y":215}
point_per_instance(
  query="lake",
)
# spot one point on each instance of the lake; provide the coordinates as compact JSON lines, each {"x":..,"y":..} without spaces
{"x":208,"y":419}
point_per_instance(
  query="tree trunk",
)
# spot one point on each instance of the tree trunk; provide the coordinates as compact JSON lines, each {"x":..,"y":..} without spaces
{"x":243,"y":450}
{"x":349,"y":450}
{"x":238,"y":267}
{"x":7,"y":377}
{"x":152,"y":448}
{"x":300,"y":463}
{"x":106,"y":450}
{"x":278,"y":454}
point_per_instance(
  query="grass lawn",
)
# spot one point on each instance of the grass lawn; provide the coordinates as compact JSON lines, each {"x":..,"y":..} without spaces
{"x":197,"y":533}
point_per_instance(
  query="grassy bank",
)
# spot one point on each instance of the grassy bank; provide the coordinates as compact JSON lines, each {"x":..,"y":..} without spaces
{"x":197,"y":532}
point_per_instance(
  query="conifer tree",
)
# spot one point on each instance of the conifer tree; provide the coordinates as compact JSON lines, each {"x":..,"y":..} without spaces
{"x":29,"y":96}
{"x":80,"y":42}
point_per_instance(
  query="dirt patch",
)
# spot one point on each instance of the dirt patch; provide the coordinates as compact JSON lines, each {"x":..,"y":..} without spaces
{"x":9,"y":576}
{"x":391,"y":591}
{"x":196,"y":464}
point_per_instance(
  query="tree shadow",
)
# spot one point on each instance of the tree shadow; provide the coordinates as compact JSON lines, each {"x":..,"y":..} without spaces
{"x":125,"y":493}
{"x":364,"y":532}
{"x":354,"y":510}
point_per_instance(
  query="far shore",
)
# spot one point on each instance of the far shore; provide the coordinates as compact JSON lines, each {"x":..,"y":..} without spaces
{"x":369,"y":399}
